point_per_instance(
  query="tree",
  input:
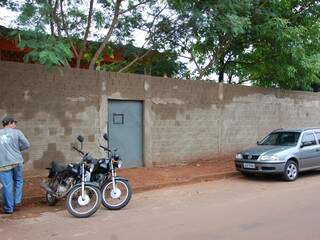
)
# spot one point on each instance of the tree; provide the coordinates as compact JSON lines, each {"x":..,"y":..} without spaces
{"x":71,"y":23}
{"x":284,"y":45}
{"x":268,"y":42}
{"x":144,"y":61}
{"x":271,"y":43}
{"x":7,"y":3}
{"x":207,"y":33}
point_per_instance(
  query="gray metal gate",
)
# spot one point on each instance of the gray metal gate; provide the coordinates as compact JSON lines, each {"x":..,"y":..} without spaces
{"x":125,"y":123}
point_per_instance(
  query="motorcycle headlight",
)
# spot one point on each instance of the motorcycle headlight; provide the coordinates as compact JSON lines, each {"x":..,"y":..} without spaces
{"x":269,"y":158}
{"x":238,"y":156}
{"x":119,"y":164}
{"x":87,"y":176}
{"x":91,"y":168}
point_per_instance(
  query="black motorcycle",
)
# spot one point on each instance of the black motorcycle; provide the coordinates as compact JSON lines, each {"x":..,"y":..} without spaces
{"x":61,"y":178}
{"x":84,"y":198}
{"x":116,"y":191}
{"x":74,"y":181}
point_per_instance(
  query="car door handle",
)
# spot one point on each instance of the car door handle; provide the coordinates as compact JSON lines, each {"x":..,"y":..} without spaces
{"x":317,"y":150}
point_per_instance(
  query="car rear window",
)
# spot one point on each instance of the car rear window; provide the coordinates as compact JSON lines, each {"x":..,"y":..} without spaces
{"x":281,"y":139}
{"x":309,"y":137}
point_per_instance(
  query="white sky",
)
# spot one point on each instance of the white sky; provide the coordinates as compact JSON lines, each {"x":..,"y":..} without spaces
{"x":7,"y":17}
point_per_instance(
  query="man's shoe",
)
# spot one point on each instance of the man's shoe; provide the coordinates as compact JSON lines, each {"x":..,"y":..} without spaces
{"x":7,"y":212}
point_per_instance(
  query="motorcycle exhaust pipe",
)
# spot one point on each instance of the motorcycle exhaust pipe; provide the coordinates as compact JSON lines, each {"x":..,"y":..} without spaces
{"x":46,"y":187}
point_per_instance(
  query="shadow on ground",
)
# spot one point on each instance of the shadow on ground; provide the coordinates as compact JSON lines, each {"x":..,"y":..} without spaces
{"x":31,"y":210}
{"x":277,"y":178}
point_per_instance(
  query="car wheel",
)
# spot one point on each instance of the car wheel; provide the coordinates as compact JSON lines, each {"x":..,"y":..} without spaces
{"x":290,"y":171}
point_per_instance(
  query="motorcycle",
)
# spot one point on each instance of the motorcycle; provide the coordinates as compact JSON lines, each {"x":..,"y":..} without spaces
{"x":116,"y":191}
{"x":60,"y":179}
{"x":84,"y":198}
{"x":73,"y":181}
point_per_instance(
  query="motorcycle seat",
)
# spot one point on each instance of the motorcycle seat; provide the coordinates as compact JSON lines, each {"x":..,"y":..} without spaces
{"x":58,"y":167}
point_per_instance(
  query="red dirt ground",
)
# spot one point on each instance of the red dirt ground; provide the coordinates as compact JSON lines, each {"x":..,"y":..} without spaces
{"x":141,"y":179}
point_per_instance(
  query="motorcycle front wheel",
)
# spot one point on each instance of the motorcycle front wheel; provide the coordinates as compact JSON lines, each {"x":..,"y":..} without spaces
{"x":115,"y":199}
{"x":82,"y":207}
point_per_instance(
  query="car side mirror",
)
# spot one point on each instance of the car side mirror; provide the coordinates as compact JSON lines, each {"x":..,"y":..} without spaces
{"x":105,"y":136}
{"x":80,"y":138}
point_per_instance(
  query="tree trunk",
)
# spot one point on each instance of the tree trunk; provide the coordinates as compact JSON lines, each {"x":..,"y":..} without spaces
{"x":55,"y":18}
{"x":64,"y":27}
{"x":108,"y":36}
{"x":203,"y":71}
{"x":51,"y":18}
{"x":79,"y":56}
{"x":222,"y":69}
{"x":221,"y":76}
{"x":134,"y":61}
{"x":230,"y":78}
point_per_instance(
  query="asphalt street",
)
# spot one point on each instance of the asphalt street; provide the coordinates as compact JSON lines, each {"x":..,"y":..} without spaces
{"x":236,"y":208}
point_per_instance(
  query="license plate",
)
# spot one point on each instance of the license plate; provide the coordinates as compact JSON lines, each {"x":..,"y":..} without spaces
{"x":249,"y":165}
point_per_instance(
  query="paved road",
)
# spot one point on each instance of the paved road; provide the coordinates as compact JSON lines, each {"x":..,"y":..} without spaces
{"x":237,"y":208}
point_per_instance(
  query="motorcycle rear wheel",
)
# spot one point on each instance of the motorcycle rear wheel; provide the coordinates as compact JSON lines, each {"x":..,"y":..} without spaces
{"x":83,"y":207}
{"x":116,"y":200}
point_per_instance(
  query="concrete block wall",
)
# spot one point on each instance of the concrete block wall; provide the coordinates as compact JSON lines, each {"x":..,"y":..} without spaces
{"x":200,"y":120}
{"x":183,"y":120}
{"x":52,"y":110}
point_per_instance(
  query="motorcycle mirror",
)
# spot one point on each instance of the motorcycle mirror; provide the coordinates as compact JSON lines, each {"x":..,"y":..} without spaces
{"x":105,"y":136}
{"x":80,"y":138}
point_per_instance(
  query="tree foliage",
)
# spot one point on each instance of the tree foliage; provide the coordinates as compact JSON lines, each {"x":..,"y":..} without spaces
{"x":272,"y":43}
{"x":45,"y":49}
{"x":72,"y":23}
{"x":148,"y":62}
{"x":8,"y":4}
{"x":269,"y":42}
{"x":285,"y":45}
{"x":208,"y":33}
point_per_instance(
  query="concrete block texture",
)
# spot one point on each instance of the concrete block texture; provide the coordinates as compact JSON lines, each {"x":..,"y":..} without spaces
{"x":183,"y":120}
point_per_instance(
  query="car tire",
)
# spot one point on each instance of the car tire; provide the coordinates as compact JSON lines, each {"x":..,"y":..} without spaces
{"x":290,"y":171}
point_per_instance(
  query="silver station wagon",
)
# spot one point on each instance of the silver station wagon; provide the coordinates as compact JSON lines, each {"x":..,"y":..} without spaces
{"x":285,"y":152}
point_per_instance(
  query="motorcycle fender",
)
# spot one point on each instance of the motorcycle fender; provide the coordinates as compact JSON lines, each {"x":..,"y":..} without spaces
{"x":116,"y":178}
{"x":120,"y":178}
{"x":92,"y":184}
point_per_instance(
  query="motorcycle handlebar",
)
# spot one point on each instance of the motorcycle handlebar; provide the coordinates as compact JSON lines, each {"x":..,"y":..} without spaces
{"x":88,"y":159}
{"x":78,"y":150}
{"x":104,"y":148}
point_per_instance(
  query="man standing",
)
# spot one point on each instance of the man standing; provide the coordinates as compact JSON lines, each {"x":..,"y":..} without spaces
{"x":12,"y":142}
